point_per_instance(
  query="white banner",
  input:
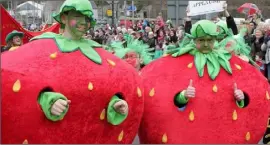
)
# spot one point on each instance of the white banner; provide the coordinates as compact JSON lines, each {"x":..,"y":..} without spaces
{"x":204,"y":7}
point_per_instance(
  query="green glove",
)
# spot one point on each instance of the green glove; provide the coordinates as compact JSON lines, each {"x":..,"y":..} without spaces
{"x":46,"y":100}
{"x":114,"y":117}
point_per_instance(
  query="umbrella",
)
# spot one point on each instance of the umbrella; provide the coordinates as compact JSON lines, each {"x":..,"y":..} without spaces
{"x":248,"y":8}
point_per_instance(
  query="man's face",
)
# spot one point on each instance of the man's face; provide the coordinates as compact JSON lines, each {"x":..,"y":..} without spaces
{"x":77,"y":23}
{"x":17,"y":41}
{"x":133,"y":59}
{"x":251,"y":25}
{"x":205,"y":44}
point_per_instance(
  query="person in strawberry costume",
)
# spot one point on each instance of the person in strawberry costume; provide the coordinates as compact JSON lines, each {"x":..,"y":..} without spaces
{"x":133,"y":51}
{"x":62,"y":88}
{"x":202,"y":94}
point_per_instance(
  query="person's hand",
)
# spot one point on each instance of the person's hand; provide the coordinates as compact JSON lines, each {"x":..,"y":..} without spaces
{"x":59,"y":106}
{"x":190,"y":91}
{"x":187,"y":10}
{"x":187,"y":19}
{"x":225,"y":6}
{"x":121,"y":107}
{"x":238,"y":94}
{"x":257,"y":58}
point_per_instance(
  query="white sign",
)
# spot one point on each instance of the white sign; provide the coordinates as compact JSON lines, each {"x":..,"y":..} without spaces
{"x":204,"y":7}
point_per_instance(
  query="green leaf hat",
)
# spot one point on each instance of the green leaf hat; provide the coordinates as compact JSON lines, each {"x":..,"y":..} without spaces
{"x":132,"y":45}
{"x":82,"y":6}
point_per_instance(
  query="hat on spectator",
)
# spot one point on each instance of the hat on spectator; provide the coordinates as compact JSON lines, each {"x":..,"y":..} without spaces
{"x":12,"y":34}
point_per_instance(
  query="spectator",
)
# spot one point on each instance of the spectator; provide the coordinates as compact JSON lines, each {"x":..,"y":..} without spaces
{"x":257,"y":44}
{"x":173,"y":37}
{"x":13,"y":41}
{"x":266,"y":48}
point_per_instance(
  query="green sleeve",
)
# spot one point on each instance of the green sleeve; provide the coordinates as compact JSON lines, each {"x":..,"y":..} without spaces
{"x":46,"y":100}
{"x":114,"y":117}
{"x":181,"y":99}
{"x":240,"y":104}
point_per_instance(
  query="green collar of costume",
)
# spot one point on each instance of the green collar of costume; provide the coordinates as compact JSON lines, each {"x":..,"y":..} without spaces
{"x":131,"y":46}
{"x":82,"y":6}
{"x":66,"y":45}
{"x":213,"y":60}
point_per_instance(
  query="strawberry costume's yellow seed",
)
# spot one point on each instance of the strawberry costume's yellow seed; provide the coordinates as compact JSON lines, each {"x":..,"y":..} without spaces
{"x":190,"y":65}
{"x":102,"y":114}
{"x":90,"y":86}
{"x":238,"y":66}
{"x":139,"y":92}
{"x":248,"y":136}
{"x":152,"y":92}
{"x":164,"y":138}
{"x":191,"y":116}
{"x":16,"y":86}
{"x":215,"y":88}
{"x":234,"y":116}
{"x":53,"y":55}
{"x":267,"y":95}
{"x":111,"y":62}
{"x":121,"y":135}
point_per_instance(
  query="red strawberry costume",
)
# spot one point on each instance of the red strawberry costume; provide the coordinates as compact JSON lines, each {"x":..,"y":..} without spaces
{"x":212,"y":116}
{"x":53,"y":67}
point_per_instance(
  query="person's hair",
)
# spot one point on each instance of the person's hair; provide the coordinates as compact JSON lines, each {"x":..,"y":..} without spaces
{"x":103,"y":31}
{"x":173,"y":38}
{"x":9,"y":43}
{"x":255,"y":24}
{"x":114,"y":32}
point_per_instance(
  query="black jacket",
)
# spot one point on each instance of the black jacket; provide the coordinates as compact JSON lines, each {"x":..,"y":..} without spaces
{"x":231,"y":24}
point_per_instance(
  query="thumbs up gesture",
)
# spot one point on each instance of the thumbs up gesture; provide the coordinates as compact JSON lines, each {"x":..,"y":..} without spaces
{"x":190,"y":91}
{"x":238,"y":94}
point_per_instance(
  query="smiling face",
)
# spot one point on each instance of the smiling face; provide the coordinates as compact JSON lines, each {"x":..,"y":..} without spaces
{"x":77,"y":23}
{"x":17,"y":41}
{"x":205,"y":44}
{"x":258,"y":34}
